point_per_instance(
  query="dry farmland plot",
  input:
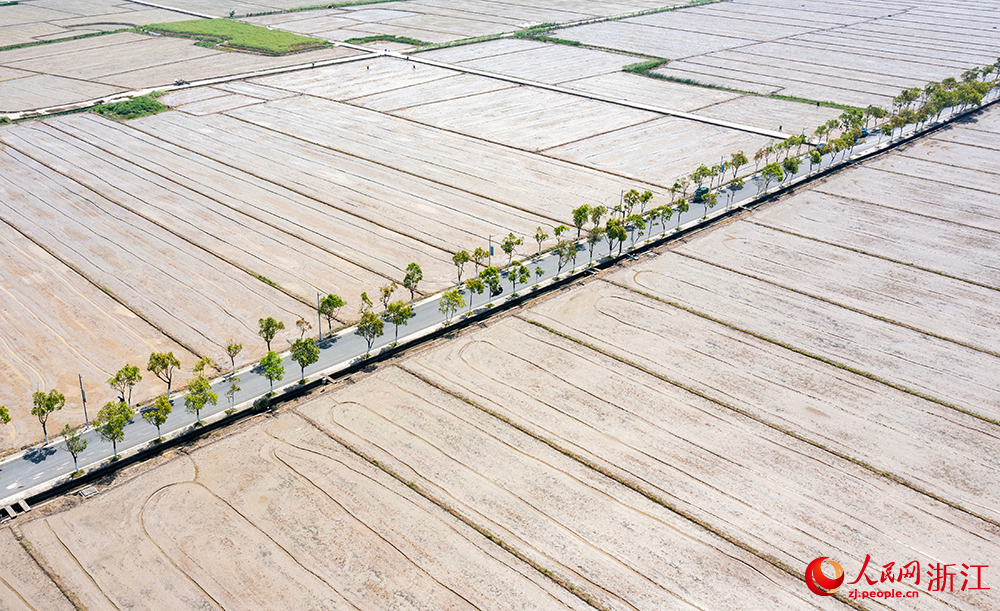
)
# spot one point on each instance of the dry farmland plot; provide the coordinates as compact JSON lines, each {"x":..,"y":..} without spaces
{"x":443,"y":20}
{"x":81,"y":70}
{"x":35,"y":20}
{"x":852,"y":53}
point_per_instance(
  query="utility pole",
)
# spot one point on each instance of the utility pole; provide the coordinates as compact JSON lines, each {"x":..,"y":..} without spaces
{"x":489,"y":259}
{"x":84,"y":396}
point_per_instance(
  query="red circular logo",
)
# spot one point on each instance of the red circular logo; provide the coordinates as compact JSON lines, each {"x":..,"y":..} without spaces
{"x":818,"y":582}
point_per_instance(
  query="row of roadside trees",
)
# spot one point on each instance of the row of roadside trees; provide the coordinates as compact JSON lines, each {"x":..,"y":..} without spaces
{"x":625,"y":222}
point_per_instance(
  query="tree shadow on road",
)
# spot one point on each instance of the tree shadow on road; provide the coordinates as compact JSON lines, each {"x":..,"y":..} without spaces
{"x":37,"y":455}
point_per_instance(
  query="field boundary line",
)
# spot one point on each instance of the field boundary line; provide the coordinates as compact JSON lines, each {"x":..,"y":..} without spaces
{"x":838,"y":304}
{"x":777,"y":427}
{"x":806,"y":353}
{"x":877,"y":256}
{"x":651,"y":496}
{"x":561,"y":582}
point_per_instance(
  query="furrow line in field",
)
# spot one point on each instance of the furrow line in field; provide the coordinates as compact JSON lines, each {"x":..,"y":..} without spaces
{"x":838,"y":304}
{"x":782,"y":429}
{"x":609,"y":474}
{"x":871,"y":254}
{"x":573,"y":589}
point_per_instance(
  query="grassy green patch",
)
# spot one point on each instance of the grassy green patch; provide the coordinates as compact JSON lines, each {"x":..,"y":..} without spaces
{"x":131,"y":109}
{"x":11,"y":3}
{"x":535,"y":30}
{"x":4,"y":120}
{"x":36,"y":43}
{"x":239,"y":36}
{"x":686,"y":81}
{"x":406,"y":40}
{"x":643,"y":67}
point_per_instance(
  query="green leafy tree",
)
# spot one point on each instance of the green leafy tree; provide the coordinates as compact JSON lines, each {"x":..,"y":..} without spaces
{"x":563,"y":250}
{"x":540,"y":236}
{"x":478,"y":257}
{"x":329,"y":308}
{"x":636,"y":224}
{"x":412,"y":279}
{"x":736,"y":161}
{"x":490,"y":276}
{"x":451,"y":302}
{"x":232,"y":350}
{"x":43,"y":406}
{"x":735,"y":186}
{"x":539,"y":272}
{"x":398,"y":313}
{"x":305,"y":352}
{"x":75,"y":444}
{"x":110,"y":423}
{"x":791,"y":166}
{"x":593,"y":238}
{"x":303,"y":326}
{"x":234,"y":387}
{"x":615,"y":231}
{"x":518,"y":274}
{"x":597,"y":213}
{"x":558,"y":230}
{"x":709,"y":200}
{"x":268,"y":328}
{"x":581,"y":215}
{"x":370,"y":327}
{"x":474,"y":285}
{"x":460,"y":259}
{"x":681,"y":207}
{"x":509,"y":246}
{"x":203,"y":364}
{"x":386,"y":294}
{"x":273,"y":369}
{"x":700,"y":175}
{"x":770,"y":173}
{"x":366,"y":304}
{"x":199,"y":395}
{"x":162,"y":365}
{"x":158,"y":412}
{"x":815,"y":158}
{"x":124,"y":381}
{"x":4,"y":415}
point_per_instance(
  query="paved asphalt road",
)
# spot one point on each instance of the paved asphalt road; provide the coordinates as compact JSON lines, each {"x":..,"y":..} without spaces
{"x":44,"y":464}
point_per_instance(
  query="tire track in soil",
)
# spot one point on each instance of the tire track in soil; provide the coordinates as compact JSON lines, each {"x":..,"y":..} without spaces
{"x":142,"y":524}
{"x":516,"y":568}
{"x":252,"y":525}
{"x":655,"y":498}
{"x":328,"y":496}
{"x":880,"y":472}
{"x":560,"y":581}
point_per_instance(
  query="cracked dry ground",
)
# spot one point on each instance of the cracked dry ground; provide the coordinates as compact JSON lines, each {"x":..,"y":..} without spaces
{"x":816,"y":378}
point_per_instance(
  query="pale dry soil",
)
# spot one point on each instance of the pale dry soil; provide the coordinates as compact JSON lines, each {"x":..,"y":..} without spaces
{"x":854,"y":52}
{"x":74,"y":71}
{"x":688,"y":431}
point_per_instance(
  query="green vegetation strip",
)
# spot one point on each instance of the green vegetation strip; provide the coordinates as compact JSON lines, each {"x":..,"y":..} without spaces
{"x":36,"y":43}
{"x":775,"y":96}
{"x":406,"y":40}
{"x":805,"y":353}
{"x":237,"y":35}
{"x":771,"y":425}
{"x":316,"y":7}
{"x":450,"y":510}
{"x":134,"y":108}
{"x":632,"y":486}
